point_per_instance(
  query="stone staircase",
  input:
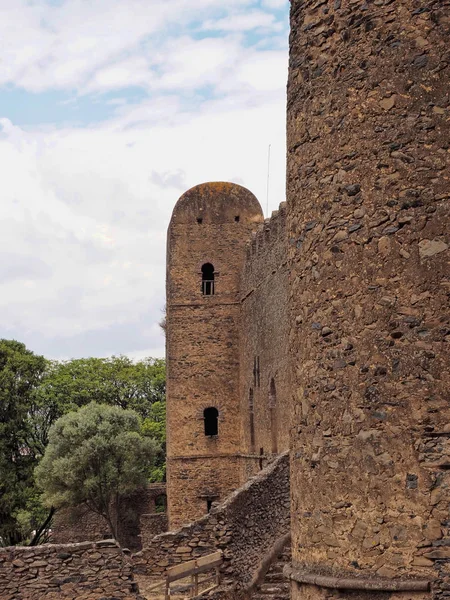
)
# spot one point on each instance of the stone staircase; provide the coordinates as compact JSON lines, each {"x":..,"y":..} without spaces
{"x":275,"y":586}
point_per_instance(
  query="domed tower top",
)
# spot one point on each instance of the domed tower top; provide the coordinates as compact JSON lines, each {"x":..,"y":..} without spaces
{"x":210,"y":226}
{"x":217,"y":202}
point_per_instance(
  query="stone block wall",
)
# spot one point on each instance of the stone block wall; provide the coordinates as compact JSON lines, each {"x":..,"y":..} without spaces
{"x":80,"y":524}
{"x":151,"y":525}
{"x":85,"y":571}
{"x":210,"y":225}
{"x":245,"y":527}
{"x":368,"y":224}
{"x":264,"y":377}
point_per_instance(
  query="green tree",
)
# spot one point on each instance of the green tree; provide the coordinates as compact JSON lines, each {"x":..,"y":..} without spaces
{"x":155,"y":426}
{"x":21,"y":372}
{"x":116,"y":381}
{"x":95,"y":455}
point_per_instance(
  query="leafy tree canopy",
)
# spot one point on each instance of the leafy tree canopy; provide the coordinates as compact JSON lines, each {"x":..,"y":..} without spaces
{"x":155,"y":426}
{"x":35,"y":392}
{"x":117,"y":381}
{"x":94,"y":456}
{"x":21,"y":371}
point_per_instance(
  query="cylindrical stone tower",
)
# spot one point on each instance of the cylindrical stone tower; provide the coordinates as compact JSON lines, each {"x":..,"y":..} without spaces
{"x":210,"y":226}
{"x":368,"y":220}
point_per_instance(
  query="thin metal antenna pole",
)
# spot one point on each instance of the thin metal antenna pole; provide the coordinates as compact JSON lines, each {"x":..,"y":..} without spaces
{"x":268,"y":181}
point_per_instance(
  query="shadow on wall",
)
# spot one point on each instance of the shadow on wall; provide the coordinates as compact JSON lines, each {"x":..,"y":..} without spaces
{"x":245,"y":527}
{"x":142,"y":516}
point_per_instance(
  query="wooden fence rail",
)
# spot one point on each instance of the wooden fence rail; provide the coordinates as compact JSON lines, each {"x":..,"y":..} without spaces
{"x":193,"y":569}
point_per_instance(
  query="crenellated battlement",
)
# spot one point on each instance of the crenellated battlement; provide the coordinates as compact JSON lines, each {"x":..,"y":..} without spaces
{"x":267,"y":234}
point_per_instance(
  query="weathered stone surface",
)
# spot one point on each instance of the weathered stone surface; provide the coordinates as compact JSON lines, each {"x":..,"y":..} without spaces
{"x":95,"y":571}
{"x":245,"y":527}
{"x":210,"y":224}
{"x":368,"y":101}
{"x":429,"y":248}
{"x":139,"y":521}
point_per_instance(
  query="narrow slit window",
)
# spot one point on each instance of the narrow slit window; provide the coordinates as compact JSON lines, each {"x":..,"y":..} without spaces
{"x":251,"y":411}
{"x":273,"y":416}
{"x":211,"y":421}
{"x":208,"y":279}
{"x":209,"y":503}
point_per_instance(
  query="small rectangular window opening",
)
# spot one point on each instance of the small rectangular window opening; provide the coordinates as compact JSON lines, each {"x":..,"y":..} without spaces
{"x":199,"y":220}
{"x":209,"y":503}
{"x":236,"y":218}
{"x":211,"y":421}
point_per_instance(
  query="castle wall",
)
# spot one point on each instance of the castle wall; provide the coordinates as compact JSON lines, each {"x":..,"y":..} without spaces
{"x":368,"y":221}
{"x":264,"y":385}
{"x":79,"y":524}
{"x":86,"y":571}
{"x":210,"y":225}
{"x":245,"y":527}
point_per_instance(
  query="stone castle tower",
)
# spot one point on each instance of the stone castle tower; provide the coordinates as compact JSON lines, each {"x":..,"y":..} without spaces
{"x":368,"y":126}
{"x":210,"y":226}
{"x":326,"y":328}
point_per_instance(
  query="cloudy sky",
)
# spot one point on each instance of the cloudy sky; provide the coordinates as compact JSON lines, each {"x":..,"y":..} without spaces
{"x":109,"y":111}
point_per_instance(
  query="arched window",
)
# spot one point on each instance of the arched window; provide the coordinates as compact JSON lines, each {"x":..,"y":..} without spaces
{"x":208,"y":279}
{"x":273,"y":416}
{"x":251,"y":411}
{"x":211,"y":420}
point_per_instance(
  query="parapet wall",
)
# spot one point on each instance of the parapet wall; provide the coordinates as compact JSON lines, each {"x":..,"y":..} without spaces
{"x":86,"y":571}
{"x":264,"y":381}
{"x":245,"y":527}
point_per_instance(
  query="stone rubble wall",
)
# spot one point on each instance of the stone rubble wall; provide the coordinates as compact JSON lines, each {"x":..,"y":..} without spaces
{"x":85,"y":571}
{"x":264,"y":350}
{"x":368,"y":190}
{"x":245,"y":527}
{"x":151,"y":525}
{"x":79,"y":524}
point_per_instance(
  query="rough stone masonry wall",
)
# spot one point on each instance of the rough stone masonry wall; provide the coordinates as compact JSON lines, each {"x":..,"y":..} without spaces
{"x":245,"y":527}
{"x":264,"y":343}
{"x":368,"y":220}
{"x":86,"y":571}
{"x":137,"y":521}
{"x":210,"y":224}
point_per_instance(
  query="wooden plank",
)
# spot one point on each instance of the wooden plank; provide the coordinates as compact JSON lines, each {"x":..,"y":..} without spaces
{"x":193,"y":567}
{"x":213,"y":587}
{"x":207,"y":579}
{"x":195,"y":584}
{"x":209,"y":559}
{"x":182,"y":570}
{"x":209,"y":566}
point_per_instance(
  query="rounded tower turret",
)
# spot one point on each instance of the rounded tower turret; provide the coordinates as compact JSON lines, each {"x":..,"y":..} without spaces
{"x":368,"y":219}
{"x":210,"y":226}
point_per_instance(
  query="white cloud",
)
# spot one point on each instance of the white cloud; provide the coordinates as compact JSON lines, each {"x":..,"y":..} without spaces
{"x":275,"y":3}
{"x":241,"y":22}
{"x":84,"y":210}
